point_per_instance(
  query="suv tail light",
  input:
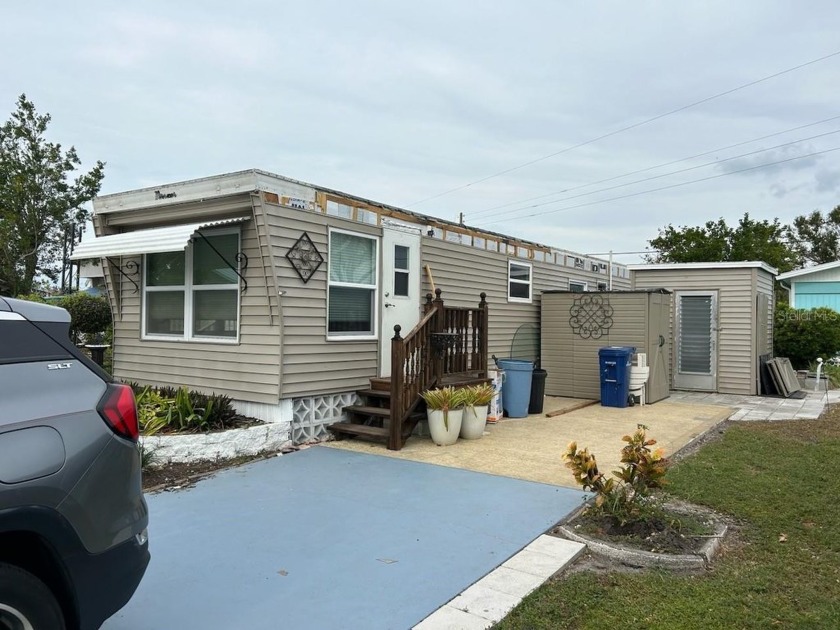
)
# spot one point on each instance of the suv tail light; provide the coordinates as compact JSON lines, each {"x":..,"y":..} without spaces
{"x":119,"y":410}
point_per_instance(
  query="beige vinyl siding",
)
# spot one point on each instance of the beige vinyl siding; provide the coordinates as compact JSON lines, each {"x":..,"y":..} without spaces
{"x":572,"y":362}
{"x":310,"y":363}
{"x":736,"y":303}
{"x":462,"y":273}
{"x":237,"y":206}
{"x":248,"y":370}
{"x":765,"y":283}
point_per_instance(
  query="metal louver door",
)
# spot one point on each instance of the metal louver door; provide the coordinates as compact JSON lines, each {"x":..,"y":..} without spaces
{"x":696,"y":341}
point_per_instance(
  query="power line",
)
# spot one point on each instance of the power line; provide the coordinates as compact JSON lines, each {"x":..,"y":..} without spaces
{"x":652,"y":168}
{"x":661,"y":175}
{"x":629,"y":127}
{"x":651,"y":190}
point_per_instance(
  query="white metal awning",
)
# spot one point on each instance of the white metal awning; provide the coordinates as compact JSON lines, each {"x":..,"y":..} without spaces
{"x":165,"y":239}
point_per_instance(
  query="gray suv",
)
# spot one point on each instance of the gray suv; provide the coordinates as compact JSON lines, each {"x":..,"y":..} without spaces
{"x":73,"y":541}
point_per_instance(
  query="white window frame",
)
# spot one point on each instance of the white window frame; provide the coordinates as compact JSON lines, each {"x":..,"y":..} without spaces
{"x":580,"y":283}
{"x":350,"y":285}
{"x":529,"y":282}
{"x":405,"y":270}
{"x":188,"y":288}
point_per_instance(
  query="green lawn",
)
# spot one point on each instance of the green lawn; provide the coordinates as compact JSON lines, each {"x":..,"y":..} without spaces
{"x":774,"y":479}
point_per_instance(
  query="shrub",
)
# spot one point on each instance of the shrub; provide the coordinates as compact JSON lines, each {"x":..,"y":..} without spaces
{"x":89,"y":315}
{"x":180,"y":409}
{"x":803,"y":335}
{"x":627,"y":497}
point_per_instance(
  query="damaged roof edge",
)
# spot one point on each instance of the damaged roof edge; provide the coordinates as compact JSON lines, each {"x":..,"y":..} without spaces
{"x":256,"y":180}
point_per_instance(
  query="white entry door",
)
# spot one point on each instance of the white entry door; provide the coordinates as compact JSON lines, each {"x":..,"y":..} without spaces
{"x":696,"y":340}
{"x":400,"y":286}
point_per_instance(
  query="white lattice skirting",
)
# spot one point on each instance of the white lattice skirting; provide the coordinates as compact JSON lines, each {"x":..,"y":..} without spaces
{"x":312,"y":415}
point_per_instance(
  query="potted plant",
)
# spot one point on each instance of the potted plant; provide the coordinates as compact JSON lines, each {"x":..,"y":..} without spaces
{"x":445,"y":412}
{"x":476,"y":399}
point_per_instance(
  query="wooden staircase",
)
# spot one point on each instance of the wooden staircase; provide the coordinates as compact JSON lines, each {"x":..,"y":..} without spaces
{"x":447,"y":347}
{"x":371,"y":419}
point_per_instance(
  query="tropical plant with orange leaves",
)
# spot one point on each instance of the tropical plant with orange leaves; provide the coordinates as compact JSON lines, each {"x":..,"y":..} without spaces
{"x":627,"y":496}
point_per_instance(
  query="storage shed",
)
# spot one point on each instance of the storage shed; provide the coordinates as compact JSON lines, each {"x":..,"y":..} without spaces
{"x":576,"y":325}
{"x":721,"y":322}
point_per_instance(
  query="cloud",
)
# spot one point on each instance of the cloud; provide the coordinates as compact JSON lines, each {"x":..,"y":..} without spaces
{"x":828,"y":181}
{"x":783,"y":159}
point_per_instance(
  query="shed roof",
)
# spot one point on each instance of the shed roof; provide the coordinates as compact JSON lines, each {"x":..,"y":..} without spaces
{"x":746,"y":264}
{"x":611,"y":292}
{"x":809,"y":270}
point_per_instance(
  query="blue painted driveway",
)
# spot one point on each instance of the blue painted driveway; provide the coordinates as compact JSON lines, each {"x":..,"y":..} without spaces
{"x":326,"y":538}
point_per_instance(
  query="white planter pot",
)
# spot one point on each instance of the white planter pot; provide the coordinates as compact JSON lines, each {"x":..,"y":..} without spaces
{"x":440,"y":434}
{"x":475,"y":419}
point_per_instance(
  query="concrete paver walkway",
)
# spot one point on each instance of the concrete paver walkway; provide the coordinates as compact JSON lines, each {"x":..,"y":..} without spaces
{"x":751,"y":408}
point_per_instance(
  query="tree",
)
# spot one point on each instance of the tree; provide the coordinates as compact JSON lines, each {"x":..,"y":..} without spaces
{"x":39,"y":202}
{"x":815,"y":237}
{"x":803,"y":335}
{"x":717,"y":242}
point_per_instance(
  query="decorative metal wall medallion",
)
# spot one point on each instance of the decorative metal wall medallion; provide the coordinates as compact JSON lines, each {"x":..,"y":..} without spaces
{"x":304,"y":257}
{"x":591,"y":316}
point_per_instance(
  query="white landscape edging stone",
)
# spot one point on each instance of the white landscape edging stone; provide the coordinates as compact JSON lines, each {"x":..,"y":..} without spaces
{"x":195,"y":447}
{"x":639,"y":558}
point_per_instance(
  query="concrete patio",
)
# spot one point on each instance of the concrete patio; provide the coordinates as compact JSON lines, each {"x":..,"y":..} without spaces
{"x":531,"y":448}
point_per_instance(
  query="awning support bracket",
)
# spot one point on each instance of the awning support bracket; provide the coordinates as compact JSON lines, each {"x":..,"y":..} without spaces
{"x":131,"y":269}
{"x":240,"y":258}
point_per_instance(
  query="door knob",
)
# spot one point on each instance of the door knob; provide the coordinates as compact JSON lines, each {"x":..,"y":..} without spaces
{"x":387,"y":304}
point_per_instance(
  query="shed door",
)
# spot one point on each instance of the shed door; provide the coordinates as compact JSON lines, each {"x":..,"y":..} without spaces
{"x":696,"y":341}
{"x":400,"y":286}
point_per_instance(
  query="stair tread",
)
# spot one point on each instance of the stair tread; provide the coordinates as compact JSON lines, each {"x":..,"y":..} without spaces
{"x":383,"y":412}
{"x":375,"y":393}
{"x":359,"y":429}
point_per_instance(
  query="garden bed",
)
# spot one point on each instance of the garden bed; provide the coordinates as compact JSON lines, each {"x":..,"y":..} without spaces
{"x":684,"y":536}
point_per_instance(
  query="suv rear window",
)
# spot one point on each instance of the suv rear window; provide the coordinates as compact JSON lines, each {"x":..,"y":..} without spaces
{"x":22,"y":342}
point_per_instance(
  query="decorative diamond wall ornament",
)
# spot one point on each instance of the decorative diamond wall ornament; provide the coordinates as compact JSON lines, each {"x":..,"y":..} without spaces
{"x":591,"y":316}
{"x":304,"y":257}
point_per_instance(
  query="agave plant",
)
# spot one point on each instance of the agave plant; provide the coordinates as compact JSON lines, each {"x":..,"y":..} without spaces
{"x":444,"y":399}
{"x":478,"y":396}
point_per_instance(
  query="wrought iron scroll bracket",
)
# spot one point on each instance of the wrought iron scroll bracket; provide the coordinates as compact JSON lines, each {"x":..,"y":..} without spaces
{"x":240,"y":258}
{"x":131,"y":269}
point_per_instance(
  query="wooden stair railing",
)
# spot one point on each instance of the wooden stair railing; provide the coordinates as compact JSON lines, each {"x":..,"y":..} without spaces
{"x":416,"y":368}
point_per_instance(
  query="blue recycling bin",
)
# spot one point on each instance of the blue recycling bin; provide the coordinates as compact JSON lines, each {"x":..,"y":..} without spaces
{"x":516,"y":389}
{"x":614,"y":363}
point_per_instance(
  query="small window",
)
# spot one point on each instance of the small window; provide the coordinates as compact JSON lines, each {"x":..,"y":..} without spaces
{"x":366,"y":216}
{"x":401,"y":271}
{"x":519,"y":282}
{"x":478,"y":242}
{"x":577,"y":287}
{"x":352,"y":285}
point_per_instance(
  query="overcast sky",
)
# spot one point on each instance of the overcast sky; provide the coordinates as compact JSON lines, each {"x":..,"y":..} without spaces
{"x":399,"y":102}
